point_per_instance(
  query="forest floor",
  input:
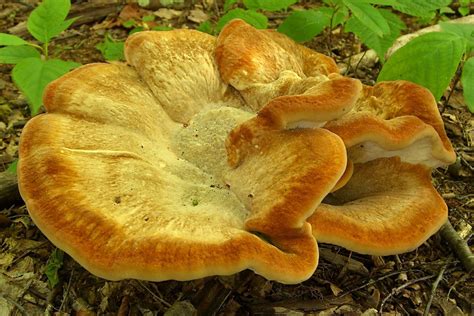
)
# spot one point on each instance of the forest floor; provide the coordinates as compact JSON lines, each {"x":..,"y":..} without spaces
{"x":345,"y":283}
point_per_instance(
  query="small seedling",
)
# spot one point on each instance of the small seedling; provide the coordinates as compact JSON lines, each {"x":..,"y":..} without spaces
{"x":34,"y":68}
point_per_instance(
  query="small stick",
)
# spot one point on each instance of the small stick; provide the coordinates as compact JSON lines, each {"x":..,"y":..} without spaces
{"x":401,"y":287}
{"x":66,"y":295}
{"x":433,"y":289}
{"x":458,"y":245}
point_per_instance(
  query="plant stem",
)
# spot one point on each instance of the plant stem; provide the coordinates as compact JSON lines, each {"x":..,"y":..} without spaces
{"x":45,"y":50}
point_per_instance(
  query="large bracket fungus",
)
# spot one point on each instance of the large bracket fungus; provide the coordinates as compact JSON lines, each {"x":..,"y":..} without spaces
{"x":394,"y":135}
{"x":207,"y":156}
{"x":128,"y":173}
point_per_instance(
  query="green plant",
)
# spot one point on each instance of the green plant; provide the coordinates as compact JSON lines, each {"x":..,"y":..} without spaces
{"x":34,"y":68}
{"x":432,"y":59}
{"x":111,"y":49}
{"x":55,"y":262}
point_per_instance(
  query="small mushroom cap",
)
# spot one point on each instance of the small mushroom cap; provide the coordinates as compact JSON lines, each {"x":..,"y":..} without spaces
{"x":263,"y":65}
{"x":397,"y":118}
{"x":387,"y":207}
{"x":112,"y":176}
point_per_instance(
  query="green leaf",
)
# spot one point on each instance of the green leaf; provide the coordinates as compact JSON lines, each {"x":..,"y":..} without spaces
{"x":205,"y":27}
{"x":228,"y":4}
{"x":55,"y":262}
{"x":464,"y":30}
{"x":110,"y":49}
{"x":420,"y":8}
{"x":269,"y":5}
{"x":467,"y":80}
{"x":369,"y":16}
{"x":148,"y":18}
{"x":304,"y":25}
{"x":464,"y":11}
{"x":429,"y":60}
{"x":129,"y":23}
{"x":12,"y":166}
{"x":338,"y":16}
{"x":49,"y":19}
{"x":132,"y":31}
{"x":253,"y":18}
{"x":31,"y":75}
{"x":380,"y":44}
{"x":11,"y":40}
{"x":14,"y":54}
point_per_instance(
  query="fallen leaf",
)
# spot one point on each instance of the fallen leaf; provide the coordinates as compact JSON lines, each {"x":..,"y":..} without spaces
{"x":197,"y":16}
{"x":168,"y":14}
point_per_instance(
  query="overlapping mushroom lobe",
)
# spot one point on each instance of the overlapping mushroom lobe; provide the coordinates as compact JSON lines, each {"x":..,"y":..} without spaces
{"x":393,"y":134}
{"x":128,"y":172}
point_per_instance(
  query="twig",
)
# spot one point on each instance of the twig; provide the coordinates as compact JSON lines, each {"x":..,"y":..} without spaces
{"x":156,"y":297}
{"x":372,"y":282}
{"x":458,"y":245}
{"x":456,"y":79}
{"x":358,"y":63}
{"x":434,"y":287}
{"x":67,"y":292}
{"x":401,"y":287}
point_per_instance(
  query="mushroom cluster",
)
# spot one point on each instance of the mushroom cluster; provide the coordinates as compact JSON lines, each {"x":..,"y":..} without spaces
{"x":207,"y":156}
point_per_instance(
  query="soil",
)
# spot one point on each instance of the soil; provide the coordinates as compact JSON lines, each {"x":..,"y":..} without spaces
{"x":345,"y":283}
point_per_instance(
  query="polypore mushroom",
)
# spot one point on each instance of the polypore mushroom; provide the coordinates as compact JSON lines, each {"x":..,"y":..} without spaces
{"x":128,"y":173}
{"x":264,"y":64}
{"x":393,"y":133}
{"x":396,"y":118}
{"x":389,"y":205}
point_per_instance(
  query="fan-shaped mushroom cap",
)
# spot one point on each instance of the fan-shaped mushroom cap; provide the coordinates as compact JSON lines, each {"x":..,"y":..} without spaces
{"x":263,"y":64}
{"x":112,"y":178}
{"x":387,"y":207}
{"x":397,"y":118}
{"x":179,"y":68}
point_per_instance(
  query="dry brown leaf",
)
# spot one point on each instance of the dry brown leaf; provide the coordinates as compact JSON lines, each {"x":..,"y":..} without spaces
{"x":198,"y":16}
{"x":168,"y":14}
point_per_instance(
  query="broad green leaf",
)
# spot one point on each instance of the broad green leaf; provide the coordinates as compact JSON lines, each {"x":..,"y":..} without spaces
{"x":49,"y":19}
{"x":269,"y":5}
{"x":420,"y":8}
{"x":11,"y":40}
{"x":14,"y":54}
{"x":467,"y":80}
{"x":55,"y":262}
{"x":382,"y":2}
{"x":461,"y":29}
{"x":253,"y":18}
{"x":380,"y":44}
{"x":12,"y":166}
{"x":228,"y":4}
{"x":110,"y":49}
{"x":369,"y":16}
{"x":31,"y":75}
{"x":304,"y":25}
{"x":429,"y":60}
